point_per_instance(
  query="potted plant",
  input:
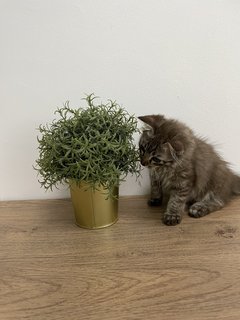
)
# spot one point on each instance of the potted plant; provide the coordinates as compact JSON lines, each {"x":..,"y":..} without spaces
{"x":92,"y":150}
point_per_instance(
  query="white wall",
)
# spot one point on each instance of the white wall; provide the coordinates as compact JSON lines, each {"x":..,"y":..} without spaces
{"x":179,"y":58}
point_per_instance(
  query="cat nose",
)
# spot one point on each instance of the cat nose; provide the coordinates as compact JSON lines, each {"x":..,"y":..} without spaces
{"x":144,"y":162}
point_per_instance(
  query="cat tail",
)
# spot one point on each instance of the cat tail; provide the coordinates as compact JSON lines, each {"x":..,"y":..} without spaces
{"x":236,"y":185}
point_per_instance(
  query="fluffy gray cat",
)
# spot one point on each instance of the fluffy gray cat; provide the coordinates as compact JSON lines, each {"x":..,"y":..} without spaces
{"x":184,"y":168}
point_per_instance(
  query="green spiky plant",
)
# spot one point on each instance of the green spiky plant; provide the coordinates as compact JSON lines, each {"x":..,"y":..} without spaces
{"x":93,"y":144}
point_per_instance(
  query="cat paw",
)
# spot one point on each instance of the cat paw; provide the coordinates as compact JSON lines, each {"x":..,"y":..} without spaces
{"x":198,"y":210}
{"x":172,"y":219}
{"x":154,"y":202}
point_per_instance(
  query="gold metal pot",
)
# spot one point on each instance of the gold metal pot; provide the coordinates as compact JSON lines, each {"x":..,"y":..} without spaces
{"x":92,"y":209}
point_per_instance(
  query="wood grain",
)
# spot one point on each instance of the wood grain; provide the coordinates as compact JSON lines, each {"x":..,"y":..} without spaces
{"x":136,"y":269}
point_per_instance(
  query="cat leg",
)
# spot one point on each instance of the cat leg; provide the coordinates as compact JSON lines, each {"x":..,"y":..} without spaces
{"x":156,"y":190}
{"x":208,"y":204}
{"x":176,"y":207}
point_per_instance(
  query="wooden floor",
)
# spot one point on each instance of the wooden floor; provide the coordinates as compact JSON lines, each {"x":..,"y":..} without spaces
{"x":136,"y":269}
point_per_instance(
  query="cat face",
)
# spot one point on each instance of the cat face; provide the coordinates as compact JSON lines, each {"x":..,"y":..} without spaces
{"x":159,"y":145}
{"x":154,"y":152}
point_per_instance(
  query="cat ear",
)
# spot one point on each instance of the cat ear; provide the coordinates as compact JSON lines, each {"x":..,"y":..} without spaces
{"x":154,"y":121}
{"x":173,"y":149}
{"x":178,"y":147}
{"x":168,"y":151}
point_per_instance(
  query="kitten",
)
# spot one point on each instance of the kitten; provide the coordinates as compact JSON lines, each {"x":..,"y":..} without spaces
{"x":185,"y":168}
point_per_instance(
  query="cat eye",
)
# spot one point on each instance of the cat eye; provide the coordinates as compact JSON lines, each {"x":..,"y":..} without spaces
{"x":157,"y":160}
